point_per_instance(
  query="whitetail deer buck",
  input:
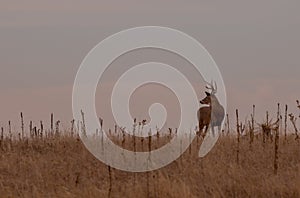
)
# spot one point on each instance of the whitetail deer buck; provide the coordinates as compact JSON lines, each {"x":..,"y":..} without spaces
{"x":210,"y":115}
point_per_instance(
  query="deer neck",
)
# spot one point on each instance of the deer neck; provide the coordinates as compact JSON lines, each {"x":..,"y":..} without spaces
{"x":214,"y":102}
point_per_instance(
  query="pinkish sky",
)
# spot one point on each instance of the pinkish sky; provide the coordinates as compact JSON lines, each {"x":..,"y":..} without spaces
{"x":256,"y":45}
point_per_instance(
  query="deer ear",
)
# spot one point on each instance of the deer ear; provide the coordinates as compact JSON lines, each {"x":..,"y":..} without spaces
{"x":207,"y":93}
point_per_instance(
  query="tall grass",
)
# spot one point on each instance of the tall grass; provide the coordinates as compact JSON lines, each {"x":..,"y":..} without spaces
{"x":55,"y":163}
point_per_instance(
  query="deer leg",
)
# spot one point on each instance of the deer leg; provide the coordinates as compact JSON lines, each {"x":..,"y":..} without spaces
{"x":200,"y":128}
{"x":213,"y":130}
{"x":206,"y":128}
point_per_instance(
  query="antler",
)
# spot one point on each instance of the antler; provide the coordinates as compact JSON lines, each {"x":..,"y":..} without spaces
{"x":211,"y":87}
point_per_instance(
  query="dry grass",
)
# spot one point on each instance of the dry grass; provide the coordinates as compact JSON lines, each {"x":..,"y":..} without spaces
{"x":61,"y":167}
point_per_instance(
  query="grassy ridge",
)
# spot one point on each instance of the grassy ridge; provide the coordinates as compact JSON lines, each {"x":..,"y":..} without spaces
{"x":61,"y":167}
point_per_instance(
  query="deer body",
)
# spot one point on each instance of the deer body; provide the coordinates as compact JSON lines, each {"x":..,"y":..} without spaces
{"x":210,"y":115}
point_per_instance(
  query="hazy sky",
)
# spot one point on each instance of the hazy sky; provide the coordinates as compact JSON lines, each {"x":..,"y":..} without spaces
{"x":256,"y":45}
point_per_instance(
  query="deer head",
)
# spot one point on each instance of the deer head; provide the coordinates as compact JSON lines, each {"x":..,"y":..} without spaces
{"x":209,"y":96}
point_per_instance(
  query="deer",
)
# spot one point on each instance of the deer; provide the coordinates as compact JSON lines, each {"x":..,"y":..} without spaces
{"x":211,"y":115}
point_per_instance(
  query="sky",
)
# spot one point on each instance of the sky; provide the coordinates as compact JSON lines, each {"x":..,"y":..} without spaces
{"x":255,"y":44}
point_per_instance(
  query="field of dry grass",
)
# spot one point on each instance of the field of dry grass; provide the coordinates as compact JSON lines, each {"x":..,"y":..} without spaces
{"x":60,"y":166}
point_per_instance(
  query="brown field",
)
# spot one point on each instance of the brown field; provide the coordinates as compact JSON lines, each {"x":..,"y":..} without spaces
{"x":60,"y":166}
